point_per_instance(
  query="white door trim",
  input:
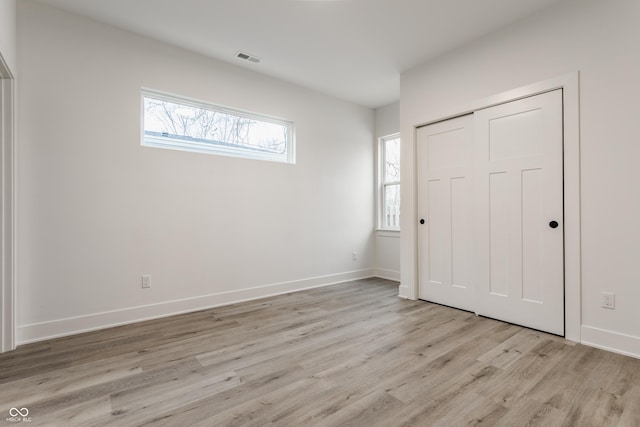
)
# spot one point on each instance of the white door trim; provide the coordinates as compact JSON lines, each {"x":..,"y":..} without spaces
{"x":7,"y":210}
{"x":572,"y":250}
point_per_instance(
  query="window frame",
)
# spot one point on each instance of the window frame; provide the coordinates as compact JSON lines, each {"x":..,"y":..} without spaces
{"x":383,"y":183}
{"x":289,"y":156}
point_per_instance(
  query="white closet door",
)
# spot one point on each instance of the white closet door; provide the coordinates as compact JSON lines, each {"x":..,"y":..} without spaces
{"x":518,"y":245}
{"x":445,"y":187}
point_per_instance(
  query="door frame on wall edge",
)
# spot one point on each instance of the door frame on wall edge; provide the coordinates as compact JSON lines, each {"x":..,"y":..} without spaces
{"x":570,"y":85}
{"x":7,"y":209}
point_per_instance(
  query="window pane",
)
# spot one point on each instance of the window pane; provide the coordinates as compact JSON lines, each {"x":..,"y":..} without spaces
{"x":391,"y":208}
{"x":189,"y":124}
{"x":392,"y":160}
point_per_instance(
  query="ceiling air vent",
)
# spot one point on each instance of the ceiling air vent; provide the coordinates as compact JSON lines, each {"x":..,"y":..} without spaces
{"x":247,"y":57}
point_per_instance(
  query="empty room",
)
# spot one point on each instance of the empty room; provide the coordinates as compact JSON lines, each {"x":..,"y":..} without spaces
{"x":319,"y":213}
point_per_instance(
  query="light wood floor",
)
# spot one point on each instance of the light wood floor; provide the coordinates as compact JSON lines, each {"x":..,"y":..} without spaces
{"x":350,"y":354}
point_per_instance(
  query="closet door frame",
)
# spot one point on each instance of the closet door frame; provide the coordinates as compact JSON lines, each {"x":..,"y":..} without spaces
{"x":569,"y":83}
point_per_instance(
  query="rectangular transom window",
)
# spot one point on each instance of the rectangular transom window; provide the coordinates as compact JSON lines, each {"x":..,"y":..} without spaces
{"x":184,"y":124}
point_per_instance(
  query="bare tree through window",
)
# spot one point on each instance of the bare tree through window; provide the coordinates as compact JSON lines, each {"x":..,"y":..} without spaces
{"x":390,"y":182}
{"x":185,"y":122}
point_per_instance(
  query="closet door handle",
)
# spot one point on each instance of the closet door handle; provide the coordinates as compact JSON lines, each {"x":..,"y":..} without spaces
{"x":421,"y":221}
{"x":553,"y":224}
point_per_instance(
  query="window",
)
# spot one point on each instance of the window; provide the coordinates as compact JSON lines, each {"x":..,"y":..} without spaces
{"x":183,"y":124}
{"x":389,"y":178}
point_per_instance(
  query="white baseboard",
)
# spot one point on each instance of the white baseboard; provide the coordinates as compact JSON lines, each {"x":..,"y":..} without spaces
{"x":616,"y":342}
{"x":383,"y":273}
{"x":75,"y":325}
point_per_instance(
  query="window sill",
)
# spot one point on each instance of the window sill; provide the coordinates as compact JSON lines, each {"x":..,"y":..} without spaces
{"x":386,"y":232}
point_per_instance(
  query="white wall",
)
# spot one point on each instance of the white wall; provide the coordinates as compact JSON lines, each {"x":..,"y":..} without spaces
{"x":598,"y":39}
{"x":387,"y":120}
{"x":8,"y":73}
{"x":97,"y":210}
{"x":8,"y":33}
{"x":387,"y":260}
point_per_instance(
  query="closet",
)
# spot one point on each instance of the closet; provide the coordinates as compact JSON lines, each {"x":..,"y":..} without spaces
{"x":490,"y":207}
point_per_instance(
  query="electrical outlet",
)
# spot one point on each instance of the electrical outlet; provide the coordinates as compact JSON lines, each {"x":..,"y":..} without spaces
{"x":354,"y":256}
{"x":146,"y":281}
{"x":609,"y":300}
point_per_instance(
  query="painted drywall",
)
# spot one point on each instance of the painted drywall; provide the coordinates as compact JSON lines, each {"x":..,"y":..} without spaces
{"x":97,"y":210}
{"x":387,"y":258}
{"x":387,"y":120}
{"x":8,"y":33}
{"x":388,"y":255}
{"x":598,"y":40}
{"x":7,"y":143}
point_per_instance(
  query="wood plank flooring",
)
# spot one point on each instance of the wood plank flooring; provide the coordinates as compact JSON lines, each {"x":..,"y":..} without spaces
{"x":352,"y":354}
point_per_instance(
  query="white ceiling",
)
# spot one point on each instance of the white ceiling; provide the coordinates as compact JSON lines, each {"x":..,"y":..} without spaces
{"x":352,"y":49}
